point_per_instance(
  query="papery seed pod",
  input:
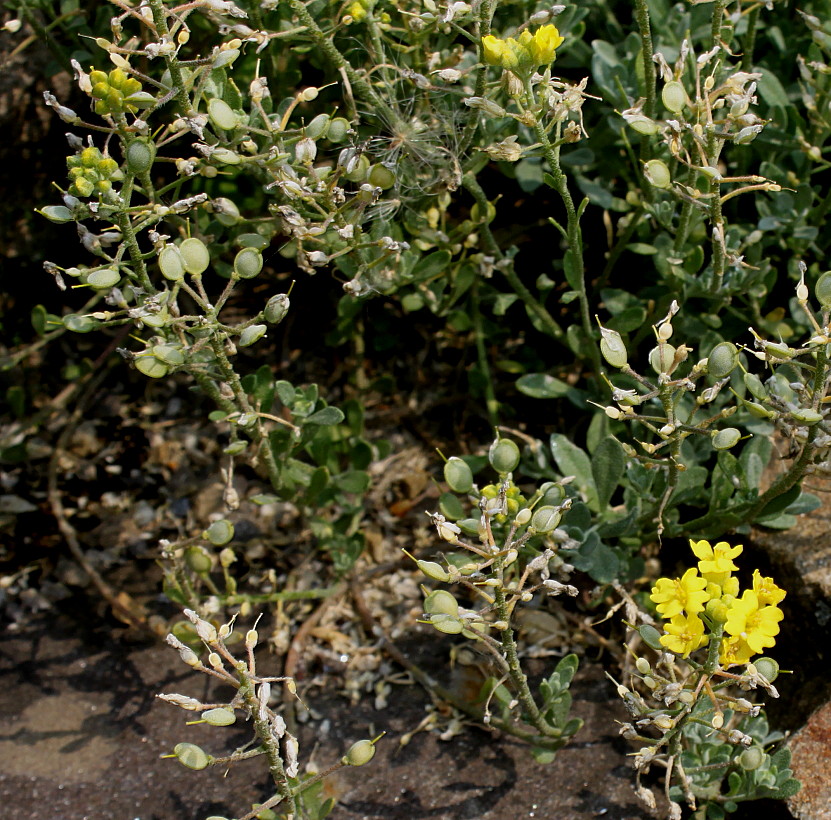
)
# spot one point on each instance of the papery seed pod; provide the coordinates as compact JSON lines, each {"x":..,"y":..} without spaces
{"x":251,"y":335}
{"x":222,"y":115}
{"x":171,"y":264}
{"x":458,"y":475}
{"x":726,"y":438}
{"x":359,"y":753}
{"x":723,"y":359}
{"x":674,"y":96}
{"x":546,"y":519}
{"x":198,"y":560}
{"x":305,"y":151}
{"x":191,"y":756}
{"x":657,"y":172}
{"x":822,"y":290}
{"x":433,"y":570}
{"x":751,"y":758}
{"x":248,"y":263}
{"x":219,"y":716}
{"x":226,"y":211}
{"x":219,"y":533}
{"x":441,"y":602}
{"x":103,"y":279}
{"x":503,"y":455}
{"x":318,"y":127}
{"x":195,"y":255}
{"x":276,"y":308}
{"x":662,"y":358}
{"x":140,"y":156}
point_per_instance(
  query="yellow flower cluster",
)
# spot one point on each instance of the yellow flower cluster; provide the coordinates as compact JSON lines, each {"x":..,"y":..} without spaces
{"x":528,"y":52}
{"x":693,"y":602}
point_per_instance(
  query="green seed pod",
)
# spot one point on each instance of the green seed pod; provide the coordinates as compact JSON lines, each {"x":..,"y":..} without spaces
{"x":381,"y":177}
{"x":140,"y":156}
{"x":226,"y":57}
{"x":360,"y":171}
{"x":754,"y":384}
{"x":198,"y":560}
{"x":658,"y":174}
{"x":248,"y":263}
{"x":56,"y":213}
{"x":546,"y":519}
{"x":79,"y":324}
{"x":219,"y":716}
{"x":318,"y":127}
{"x":433,"y":570}
{"x":226,"y":211}
{"x":222,"y":115}
{"x":612,"y":348}
{"x":151,"y":366}
{"x":458,"y":475}
{"x":723,"y":359}
{"x":235,"y":448}
{"x":674,"y":96}
{"x":251,"y":335}
{"x":767,"y":667}
{"x":662,"y":357}
{"x":252,"y":240}
{"x":751,"y":758}
{"x":643,"y":125}
{"x":523,"y":517}
{"x":642,"y":665}
{"x":726,"y":438}
{"x":446,"y":624}
{"x":441,"y":602}
{"x":806,"y":416}
{"x":103,"y":279}
{"x":276,"y":308}
{"x":758,"y":411}
{"x":226,"y":156}
{"x":191,"y":756}
{"x":359,"y":753}
{"x":337,"y":130}
{"x":195,"y":255}
{"x":171,"y":264}
{"x":219,"y":533}
{"x":503,"y":455}
{"x":822,"y":290}
{"x":651,"y":637}
{"x":552,"y":494}
{"x":169,"y":354}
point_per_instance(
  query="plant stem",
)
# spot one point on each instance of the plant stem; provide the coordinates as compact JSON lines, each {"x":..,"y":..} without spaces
{"x":491,"y":404}
{"x":649,"y":71}
{"x":718,"y":15}
{"x":171,"y":60}
{"x":750,"y":38}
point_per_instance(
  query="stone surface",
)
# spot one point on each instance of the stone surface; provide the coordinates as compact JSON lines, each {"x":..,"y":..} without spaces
{"x":81,"y":736}
{"x":811,"y":763}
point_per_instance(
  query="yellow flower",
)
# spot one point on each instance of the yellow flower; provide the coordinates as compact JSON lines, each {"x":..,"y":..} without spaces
{"x":716,"y":563}
{"x":685,"y":593}
{"x":684,"y":634}
{"x":751,"y":628}
{"x":357,"y":11}
{"x":766,"y":590}
{"x":544,"y":44}
{"x":493,"y":49}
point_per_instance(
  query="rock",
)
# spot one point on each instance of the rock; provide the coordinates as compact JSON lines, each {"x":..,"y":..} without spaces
{"x":811,"y":764}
